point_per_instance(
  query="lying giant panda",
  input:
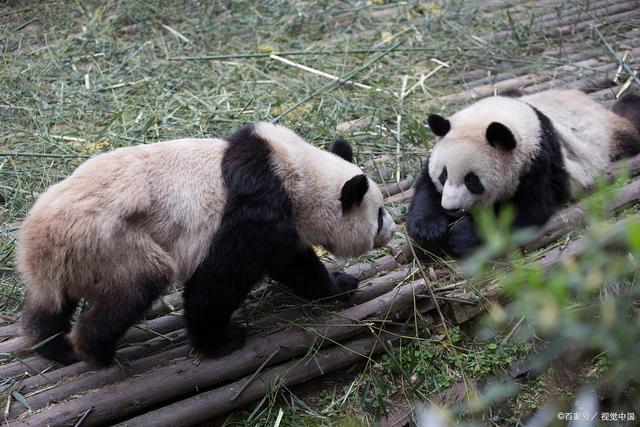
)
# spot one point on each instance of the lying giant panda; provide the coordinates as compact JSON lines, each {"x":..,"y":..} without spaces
{"x":533,"y":152}
{"x":216,"y":215}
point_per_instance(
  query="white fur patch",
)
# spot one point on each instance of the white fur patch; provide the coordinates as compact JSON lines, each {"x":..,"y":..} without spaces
{"x":456,"y":197}
{"x":139,"y":211}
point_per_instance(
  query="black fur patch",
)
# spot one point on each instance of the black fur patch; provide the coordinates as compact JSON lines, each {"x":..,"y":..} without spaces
{"x":627,"y":141}
{"x":443,"y":176}
{"x":41,"y":325}
{"x":545,"y":186}
{"x":256,"y":227}
{"x":438,"y":124}
{"x":499,"y":136}
{"x":256,"y":236}
{"x":463,"y":238}
{"x":380,"y":220}
{"x":511,"y":93}
{"x":427,"y":221}
{"x":629,"y":107}
{"x":306,"y":275}
{"x":343,"y":149}
{"x":353,"y":192}
{"x":473,"y":183}
{"x":627,"y":144}
{"x":105,"y":322}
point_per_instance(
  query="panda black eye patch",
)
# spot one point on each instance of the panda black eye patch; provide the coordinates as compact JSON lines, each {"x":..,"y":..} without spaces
{"x":443,"y":176}
{"x":473,"y":183}
{"x":380,"y":220}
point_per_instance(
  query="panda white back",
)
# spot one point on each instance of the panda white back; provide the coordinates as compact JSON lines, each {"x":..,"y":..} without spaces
{"x":185,"y":178}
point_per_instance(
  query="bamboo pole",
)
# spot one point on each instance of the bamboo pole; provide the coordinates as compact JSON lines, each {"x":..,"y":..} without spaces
{"x":209,"y":404}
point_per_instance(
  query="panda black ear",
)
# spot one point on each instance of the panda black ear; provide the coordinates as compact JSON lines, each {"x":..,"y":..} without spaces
{"x":353,"y":192}
{"x":511,"y":93}
{"x":500,"y":136}
{"x":438,"y":124}
{"x":342,"y":148}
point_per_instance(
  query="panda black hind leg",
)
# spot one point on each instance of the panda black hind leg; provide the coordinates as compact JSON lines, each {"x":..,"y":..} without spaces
{"x":47,"y":327}
{"x":306,"y":276}
{"x":99,"y":329}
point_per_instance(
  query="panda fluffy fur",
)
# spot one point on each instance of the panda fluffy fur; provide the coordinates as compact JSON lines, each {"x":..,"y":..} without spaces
{"x":216,"y":215}
{"x":533,"y":152}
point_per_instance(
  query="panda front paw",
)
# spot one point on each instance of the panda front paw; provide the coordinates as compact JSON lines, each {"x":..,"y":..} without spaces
{"x":463,"y":238}
{"x":428,"y":232}
{"x":345,"y":284}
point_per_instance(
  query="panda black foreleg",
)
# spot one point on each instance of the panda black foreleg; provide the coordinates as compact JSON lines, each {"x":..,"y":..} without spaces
{"x":463,"y":238}
{"x":427,"y":221}
{"x":305,"y":274}
{"x":210,"y":298}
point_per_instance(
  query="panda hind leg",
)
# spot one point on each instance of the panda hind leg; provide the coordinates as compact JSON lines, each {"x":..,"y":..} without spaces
{"x":47,"y":327}
{"x":99,"y":329}
{"x":305,"y":274}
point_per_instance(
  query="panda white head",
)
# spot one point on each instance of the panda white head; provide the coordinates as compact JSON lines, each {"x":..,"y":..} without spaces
{"x":334,"y":204}
{"x":482,"y":151}
{"x":362,"y":223}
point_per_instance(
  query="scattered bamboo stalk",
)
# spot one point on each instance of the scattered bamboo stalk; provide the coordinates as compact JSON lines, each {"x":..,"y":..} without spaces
{"x":336,"y":83}
{"x":46,"y":155}
{"x":251,"y":378}
{"x":613,"y":53}
{"x":316,"y":72}
{"x":490,"y":89}
{"x":246,"y":55}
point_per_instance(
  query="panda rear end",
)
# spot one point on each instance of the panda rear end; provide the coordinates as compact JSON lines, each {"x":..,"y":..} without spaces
{"x":214,"y":215}
{"x":533,"y":152}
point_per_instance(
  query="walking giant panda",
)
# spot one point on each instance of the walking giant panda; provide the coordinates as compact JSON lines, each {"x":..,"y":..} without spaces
{"x":532,"y":152}
{"x":216,"y":215}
